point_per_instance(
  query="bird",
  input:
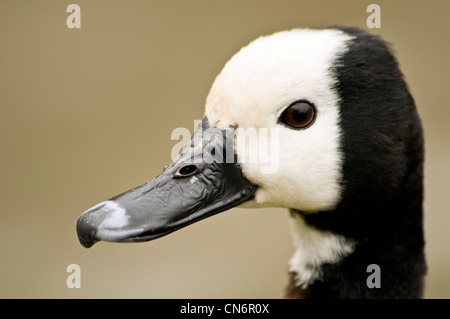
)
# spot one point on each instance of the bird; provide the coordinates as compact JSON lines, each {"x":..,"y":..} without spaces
{"x":345,"y":159}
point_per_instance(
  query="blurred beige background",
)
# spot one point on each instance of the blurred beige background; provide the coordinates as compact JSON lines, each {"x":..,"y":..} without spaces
{"x":87,"y":113}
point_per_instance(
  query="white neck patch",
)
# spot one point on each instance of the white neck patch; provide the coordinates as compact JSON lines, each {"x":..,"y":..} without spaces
{"x":251,"y":92}
{"x":314,"y":248}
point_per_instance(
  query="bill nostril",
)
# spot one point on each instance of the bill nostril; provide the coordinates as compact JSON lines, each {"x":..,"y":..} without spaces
{"x":186,"y":171}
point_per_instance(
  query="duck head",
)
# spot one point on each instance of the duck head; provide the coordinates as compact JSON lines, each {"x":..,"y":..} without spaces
{"x":318,"y":121}
{"x":262,"y":97}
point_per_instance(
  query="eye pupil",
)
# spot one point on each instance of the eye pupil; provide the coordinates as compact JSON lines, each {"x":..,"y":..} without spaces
{"x":298,"y":115}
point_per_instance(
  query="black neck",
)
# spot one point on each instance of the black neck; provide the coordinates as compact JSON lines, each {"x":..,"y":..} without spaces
{"x":391,"y":238}
{"x":381,"y":203}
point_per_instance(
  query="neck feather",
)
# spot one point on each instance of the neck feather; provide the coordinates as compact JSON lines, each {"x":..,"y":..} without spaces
{"x":328,"y":264}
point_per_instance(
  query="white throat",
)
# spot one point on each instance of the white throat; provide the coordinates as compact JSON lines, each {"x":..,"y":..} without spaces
{"x":313,"y":248}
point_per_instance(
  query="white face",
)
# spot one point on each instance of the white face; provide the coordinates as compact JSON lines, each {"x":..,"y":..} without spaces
{"x":252,"y":91}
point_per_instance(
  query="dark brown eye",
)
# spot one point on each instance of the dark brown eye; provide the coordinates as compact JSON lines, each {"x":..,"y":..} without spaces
{"x":298,"y":115}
